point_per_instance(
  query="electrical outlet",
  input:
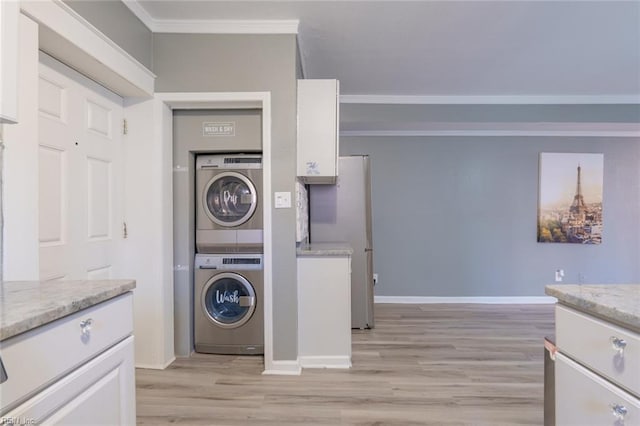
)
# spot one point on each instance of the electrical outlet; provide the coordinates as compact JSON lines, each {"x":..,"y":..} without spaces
{"x":559,"y":275}
{"x":375,"y":279}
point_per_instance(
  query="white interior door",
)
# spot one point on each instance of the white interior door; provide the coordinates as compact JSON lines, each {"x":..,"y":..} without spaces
{"x":80,"y":175}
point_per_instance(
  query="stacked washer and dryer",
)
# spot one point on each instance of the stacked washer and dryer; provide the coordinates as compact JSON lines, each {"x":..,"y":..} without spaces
{"x":228,"y":277}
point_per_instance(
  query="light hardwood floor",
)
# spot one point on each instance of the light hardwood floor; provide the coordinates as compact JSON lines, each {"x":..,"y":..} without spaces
{"x":421,"y":365}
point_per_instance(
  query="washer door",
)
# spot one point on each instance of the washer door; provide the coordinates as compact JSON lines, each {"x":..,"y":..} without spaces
{"x":230,"y":199}
{"x":228,"y":300}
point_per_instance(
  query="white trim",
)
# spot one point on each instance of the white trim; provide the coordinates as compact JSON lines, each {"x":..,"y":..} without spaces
{"x":156,"y":366}
{"x":184,"y":100}
{"x":71,"y":39}
{"x":493,"y":133}
{"x":283,"y":368}
{"x":226,"y":26}
{"x":325,"y":361}
{"x":491,"y":100}
{"x":213,"y":26}
{"x":140,"y":12}
{"x":508,"y":300}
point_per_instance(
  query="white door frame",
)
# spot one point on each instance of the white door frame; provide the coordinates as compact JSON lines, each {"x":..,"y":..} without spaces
{"x":226,"y":100}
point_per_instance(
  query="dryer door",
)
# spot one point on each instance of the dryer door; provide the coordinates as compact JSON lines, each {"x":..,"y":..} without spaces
{"x":228,"y":300}
{"x":230,"y":199}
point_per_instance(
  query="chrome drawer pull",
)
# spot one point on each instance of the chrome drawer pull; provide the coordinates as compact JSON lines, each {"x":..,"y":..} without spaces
{"x":618,"y":344}
{"x":618,"y":411}
{"x":85,"y":326}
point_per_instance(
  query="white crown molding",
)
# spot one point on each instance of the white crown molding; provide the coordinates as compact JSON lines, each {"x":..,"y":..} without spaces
{"x":227,"y":26}
{"x":540,"y":129}
{"x":213,"y":26}
{"x":142,"y":14}
{"x":491,"y":100}
{"x":508,"y":300}
{"x":493,"y":133}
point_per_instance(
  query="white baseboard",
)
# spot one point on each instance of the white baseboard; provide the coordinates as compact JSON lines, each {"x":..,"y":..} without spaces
{"x":283,"y":368}
{"x":156,"y":366}
{"x":325,"y":361}
{"x":509,"y":300}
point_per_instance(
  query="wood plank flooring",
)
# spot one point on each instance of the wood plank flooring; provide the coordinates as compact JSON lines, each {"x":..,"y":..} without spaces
{"x":421,"y":365}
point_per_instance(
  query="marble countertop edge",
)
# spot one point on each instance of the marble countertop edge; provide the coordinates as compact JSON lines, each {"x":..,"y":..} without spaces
{"x":29,"y":304}
{"x":618,"y":303}
{"x":324,"y":250}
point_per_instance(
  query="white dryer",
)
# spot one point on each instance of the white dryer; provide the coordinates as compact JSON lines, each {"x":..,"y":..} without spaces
{"x":228,"y":203}
{"x":228,"y":305}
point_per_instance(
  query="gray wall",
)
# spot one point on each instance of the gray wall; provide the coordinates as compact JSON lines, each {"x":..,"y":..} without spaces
{"x":118,"y":23}
{"x":456,"y":216}
{"x":228,"y":63}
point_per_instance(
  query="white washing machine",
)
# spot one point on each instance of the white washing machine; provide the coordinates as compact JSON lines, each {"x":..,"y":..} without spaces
{"x":228,"y":305}
{"x":228,"y":203}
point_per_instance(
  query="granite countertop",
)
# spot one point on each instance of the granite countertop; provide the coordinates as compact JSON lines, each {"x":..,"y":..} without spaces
{"x":324,"y":249}
{"x":25,"y":305}
{"x":618,"y":303}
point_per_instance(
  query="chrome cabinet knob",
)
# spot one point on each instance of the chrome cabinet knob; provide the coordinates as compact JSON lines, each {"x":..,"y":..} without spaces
{"x":618,"y":344}
{"x":618,"y":411}
{"x":85,"y":326}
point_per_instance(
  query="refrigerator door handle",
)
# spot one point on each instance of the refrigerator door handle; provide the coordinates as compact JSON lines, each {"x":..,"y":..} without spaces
{"x":368,"y":249}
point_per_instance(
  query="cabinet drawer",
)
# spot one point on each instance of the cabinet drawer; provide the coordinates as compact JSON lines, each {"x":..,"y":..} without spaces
{"x":584,"y":399}
{"x":590,"y":341}
{"x":38,"y":357}
{"x":100,"y":392}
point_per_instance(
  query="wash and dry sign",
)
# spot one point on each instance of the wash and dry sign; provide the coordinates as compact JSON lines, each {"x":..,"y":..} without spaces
{"x":219,"y":128}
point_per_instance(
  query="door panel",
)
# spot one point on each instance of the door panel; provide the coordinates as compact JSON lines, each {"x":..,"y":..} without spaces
{"x":99,"y":188}
{"x":52,"y":99}
{"x":52,"y":181}
{"x":80,"y":167}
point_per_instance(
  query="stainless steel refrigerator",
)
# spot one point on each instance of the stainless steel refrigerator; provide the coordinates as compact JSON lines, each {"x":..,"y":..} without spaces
{"x":342,"y":213}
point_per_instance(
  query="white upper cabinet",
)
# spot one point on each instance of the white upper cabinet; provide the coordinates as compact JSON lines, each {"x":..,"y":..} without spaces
{"x":9,"y":12}
{"x":318,"y":120}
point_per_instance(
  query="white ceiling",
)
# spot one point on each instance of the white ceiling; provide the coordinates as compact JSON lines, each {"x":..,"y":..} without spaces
{"x":454,"y":52}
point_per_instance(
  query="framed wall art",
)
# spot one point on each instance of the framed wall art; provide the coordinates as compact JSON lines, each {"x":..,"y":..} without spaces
{"x":570,"y":198}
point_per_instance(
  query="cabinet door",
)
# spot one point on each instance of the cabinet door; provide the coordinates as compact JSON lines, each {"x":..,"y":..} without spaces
{"x":583,"y":398}
{"x":318,"y":131}
{"x":324,"y":312}
{"x":102,"y":392}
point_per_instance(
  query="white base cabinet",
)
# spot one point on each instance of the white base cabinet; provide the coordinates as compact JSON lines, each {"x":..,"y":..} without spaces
{"x":597,"y":371}
{"x":324,"y":312}
{"x":102,"y":392}
{"x":77,"y":370}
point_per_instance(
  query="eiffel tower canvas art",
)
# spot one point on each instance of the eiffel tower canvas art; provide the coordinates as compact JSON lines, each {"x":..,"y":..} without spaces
{"x":570,"y":198}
